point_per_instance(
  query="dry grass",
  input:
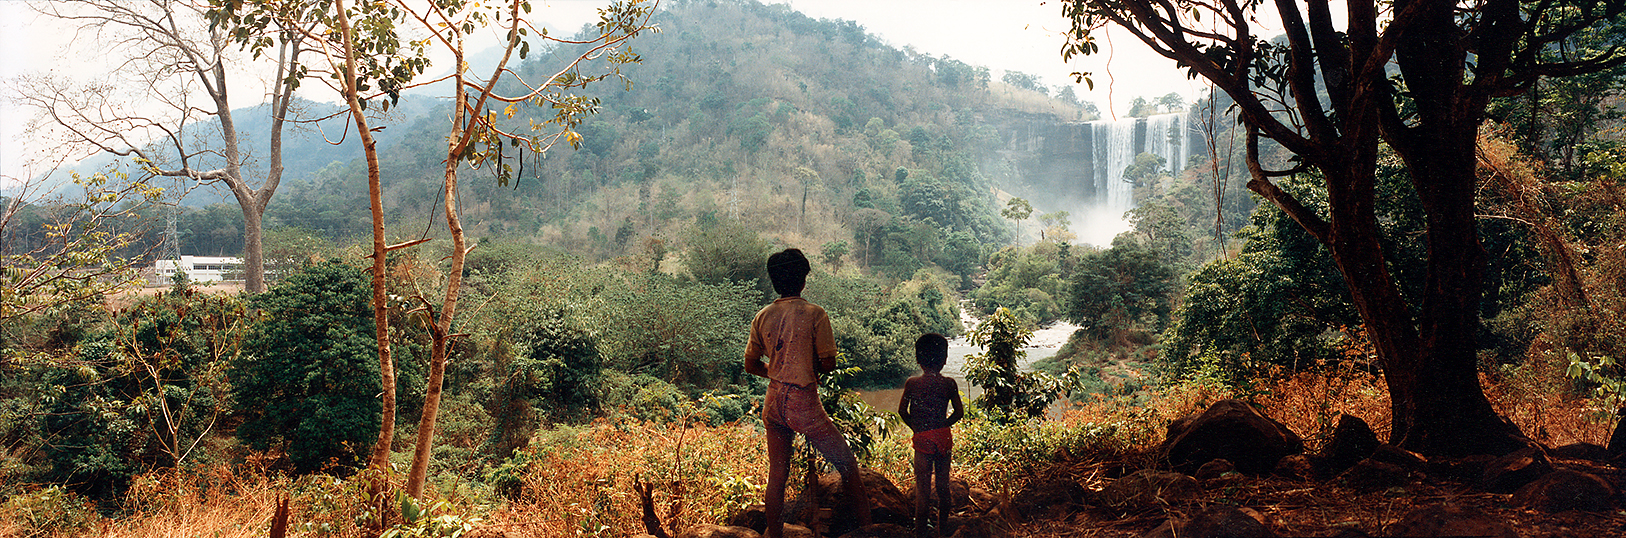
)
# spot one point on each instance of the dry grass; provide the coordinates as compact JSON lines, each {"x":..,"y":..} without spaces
{"x":579,"y":481}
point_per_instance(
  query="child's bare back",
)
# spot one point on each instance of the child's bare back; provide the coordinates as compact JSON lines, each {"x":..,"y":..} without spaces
{"x":930,"y":406}
{"x":926,"y":400}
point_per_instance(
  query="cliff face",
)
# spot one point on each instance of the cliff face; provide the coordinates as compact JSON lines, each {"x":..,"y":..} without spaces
{"x":1068,"y":164}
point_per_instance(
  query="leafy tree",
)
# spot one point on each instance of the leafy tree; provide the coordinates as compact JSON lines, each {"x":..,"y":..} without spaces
{"x":308,"y":380}
{"x":1008,"y":393}
{"x":1028,"y":281}
{"x":1160,"y":227}
{"x":1017,"y":210}
{"x":1128,"y":285}
{"x":1450,"y":61}
{"x":555,"y":367}
{"x":368,"y":51}
{"x":1025,"y":81}
{"x":1145,"y":171}
{"x":1172,"y":102}
{"x":140,"y":395}
{"x":725,"y":252}
{"x":1055,"y":227}
{"x":832,"y":252}
{"x":60,"y":250}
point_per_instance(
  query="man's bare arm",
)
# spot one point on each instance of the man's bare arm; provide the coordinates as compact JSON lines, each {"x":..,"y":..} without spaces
{"x":827,"y":364}
{"x":754,"y":366}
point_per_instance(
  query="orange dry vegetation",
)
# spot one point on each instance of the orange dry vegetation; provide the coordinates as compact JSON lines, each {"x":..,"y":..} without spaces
{"x":580,"y":482}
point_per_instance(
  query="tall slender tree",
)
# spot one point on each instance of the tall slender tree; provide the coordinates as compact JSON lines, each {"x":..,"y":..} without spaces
{"x":364,"y":47}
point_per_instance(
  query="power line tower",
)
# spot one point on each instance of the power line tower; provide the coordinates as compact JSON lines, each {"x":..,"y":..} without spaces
{"x":171,"y":247}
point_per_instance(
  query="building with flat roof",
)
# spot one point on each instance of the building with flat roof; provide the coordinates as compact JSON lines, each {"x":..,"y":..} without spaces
{"x":200,"y":268}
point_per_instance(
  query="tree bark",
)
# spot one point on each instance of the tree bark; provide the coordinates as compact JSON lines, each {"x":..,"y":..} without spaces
{"x":380,"y":459}
{"x":441,"y":330}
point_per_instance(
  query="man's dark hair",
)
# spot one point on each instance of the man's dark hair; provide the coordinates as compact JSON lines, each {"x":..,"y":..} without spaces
{"x":931,"y":351}
{"x":788,"y":269}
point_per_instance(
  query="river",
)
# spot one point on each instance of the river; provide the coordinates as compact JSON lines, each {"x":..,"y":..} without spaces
{"x":1046,"y":340}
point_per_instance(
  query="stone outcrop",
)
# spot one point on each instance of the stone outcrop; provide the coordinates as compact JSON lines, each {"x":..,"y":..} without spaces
{"x":1230,"y":430}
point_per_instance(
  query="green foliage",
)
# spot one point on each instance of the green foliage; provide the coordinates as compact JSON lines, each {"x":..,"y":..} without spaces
{"x":1013,"y":449}
{"x":309,"y":378}
{"x":875,"y":328}
{"x":435,"y":520}
{"x":1126,"y":286}
{"x":726,"y":252}
{"x":863,"y":426}
{"x":140,"y":393}
{"x":1608,"y":386}
{"x":51,"y":511}
{"x":1030,"y":282}
{"x":686,"y":333}
{"x":80,"y":248}
{"x":1008,"y":393}
{"x":1161,"y":229}
{"x":556,"y":364}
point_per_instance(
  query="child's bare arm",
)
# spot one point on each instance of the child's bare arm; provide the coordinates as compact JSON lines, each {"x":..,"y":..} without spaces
{"x":904,"y":412}
{"x":957,"y":409}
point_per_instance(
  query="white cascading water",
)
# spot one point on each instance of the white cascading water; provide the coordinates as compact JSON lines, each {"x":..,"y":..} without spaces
{"x":1113,"y":151}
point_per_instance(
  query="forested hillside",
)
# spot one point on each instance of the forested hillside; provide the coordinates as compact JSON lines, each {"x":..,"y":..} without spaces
{"x":594,"y":385}
{"x":810,"y":132}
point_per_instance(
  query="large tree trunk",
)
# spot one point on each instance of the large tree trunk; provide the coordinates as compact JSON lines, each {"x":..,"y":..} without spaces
{"x":1446,"y":412}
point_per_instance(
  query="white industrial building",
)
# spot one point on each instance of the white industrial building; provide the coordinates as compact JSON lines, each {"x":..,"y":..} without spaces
{"x":200,"y":268}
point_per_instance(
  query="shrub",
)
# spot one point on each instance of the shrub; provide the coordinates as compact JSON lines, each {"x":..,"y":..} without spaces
{"x":309,"y":381}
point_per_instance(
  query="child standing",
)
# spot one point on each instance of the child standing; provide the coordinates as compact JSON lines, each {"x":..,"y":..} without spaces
{"x":925,"y":408}
{"x":796,"y":338}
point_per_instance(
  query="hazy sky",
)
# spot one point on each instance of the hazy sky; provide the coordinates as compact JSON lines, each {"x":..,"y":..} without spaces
{"x":1020,"y":35}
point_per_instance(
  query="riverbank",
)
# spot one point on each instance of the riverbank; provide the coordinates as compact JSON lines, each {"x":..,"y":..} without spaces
{"x":1044,"y":344}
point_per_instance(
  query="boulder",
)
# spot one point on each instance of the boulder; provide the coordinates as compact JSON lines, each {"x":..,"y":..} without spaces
{"x":1215,"y":522}
{"x":1352,"y":441}
{"x":1405,"y":459}
{"x":752,"y":517}
{"x":1617,"y":440}
{"x":881,"y":530}
{"x":887,"y":503}
{"x":975,"y":528}
{"x":1563,"y":490}
{"x":1581,"y":451}
{"x":1466,"y":469}
{"x":1232,"y":430}
{"x":1148,"y":489}
{"x":1045,"y":494}
{"x":1373,"y":475}
{"x":1443,"y":520}
{"x":1295,"y":467}
{"x":959,"y":494}
{"x":1214,"y":469}
{"x":1511,"y":472}
{"x":717,"y":531}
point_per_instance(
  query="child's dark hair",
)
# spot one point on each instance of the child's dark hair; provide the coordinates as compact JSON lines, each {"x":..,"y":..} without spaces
{"x":931,"y":351}
{"x":788,"y":270}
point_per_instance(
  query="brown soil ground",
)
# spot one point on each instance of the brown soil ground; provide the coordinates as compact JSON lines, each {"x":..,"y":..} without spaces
{"x":1292,"y":508}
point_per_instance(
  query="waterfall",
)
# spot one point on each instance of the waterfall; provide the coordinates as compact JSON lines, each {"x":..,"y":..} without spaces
{"x":1078,"y":167}
{"x":1115,"y":145}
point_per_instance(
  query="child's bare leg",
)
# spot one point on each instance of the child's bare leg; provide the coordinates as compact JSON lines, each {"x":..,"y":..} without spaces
{"x":923,"y":491}
{"x":779,"y":438}
{"x":940,"y":468}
